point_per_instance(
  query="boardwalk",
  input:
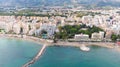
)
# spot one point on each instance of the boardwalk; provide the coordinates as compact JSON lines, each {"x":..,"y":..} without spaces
{"x":36,"y":57}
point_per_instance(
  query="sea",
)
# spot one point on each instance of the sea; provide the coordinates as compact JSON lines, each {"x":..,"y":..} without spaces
{"x":74,"y":57}
{"x":15,"y":53}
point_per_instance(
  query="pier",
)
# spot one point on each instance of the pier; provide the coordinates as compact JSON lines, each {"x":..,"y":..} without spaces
{"x":36,"y":57}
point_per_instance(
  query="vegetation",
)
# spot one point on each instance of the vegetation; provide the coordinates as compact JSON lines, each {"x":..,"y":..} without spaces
{"x":114,"y":37}
{"x":2,"y":30}
{"x":43,"y":32}
{"x":69,"y":31}
{"x":28,"y":13}
{"x":81,"y":14}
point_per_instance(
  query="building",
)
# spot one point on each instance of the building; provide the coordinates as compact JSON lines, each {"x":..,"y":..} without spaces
{"x":98,"y":36}
{"x":50,"y":28}
{"x":81,"y":37}
{"x":102,"y":34}
{"x":108,"y":35}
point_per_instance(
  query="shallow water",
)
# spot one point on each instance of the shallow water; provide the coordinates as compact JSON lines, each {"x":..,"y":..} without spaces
{"x":15,"y":53}
{"x":73,"y":57}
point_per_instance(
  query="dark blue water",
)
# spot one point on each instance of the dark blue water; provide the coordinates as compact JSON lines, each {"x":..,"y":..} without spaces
{"x":15,"y":53}
{"x":73,"y":57}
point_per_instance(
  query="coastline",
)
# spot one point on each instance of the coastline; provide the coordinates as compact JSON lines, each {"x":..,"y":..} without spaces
{"x":59,"y":43}
{"x":79,"y":44}
{"x":46,"y":42}
{"x":27,"y":38}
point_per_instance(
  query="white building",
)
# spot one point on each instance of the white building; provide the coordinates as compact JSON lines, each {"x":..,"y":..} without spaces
{"x":84,"y":37}
{"x":98,"y":36}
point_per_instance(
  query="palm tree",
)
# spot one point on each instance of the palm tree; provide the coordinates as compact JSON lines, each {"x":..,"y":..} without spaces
{"x":55,"y":37}
{"x":21,"y":32}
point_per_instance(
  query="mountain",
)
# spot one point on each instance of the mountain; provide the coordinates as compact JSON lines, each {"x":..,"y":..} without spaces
{"x":100,"y":3}
{"x":29,"y":3}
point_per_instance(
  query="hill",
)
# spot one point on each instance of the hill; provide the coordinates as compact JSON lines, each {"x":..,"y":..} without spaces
{"x":29,"y":3}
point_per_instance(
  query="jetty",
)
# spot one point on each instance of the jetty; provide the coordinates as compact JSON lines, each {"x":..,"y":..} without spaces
{"x":36,"y":57}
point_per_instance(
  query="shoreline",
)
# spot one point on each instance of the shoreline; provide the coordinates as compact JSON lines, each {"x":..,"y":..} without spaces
{"x":48,"y":42}
{"x":26,"y":38}
{"x":59,"y":43}
{"x":45,"y":43}
{"x":79,"y":44}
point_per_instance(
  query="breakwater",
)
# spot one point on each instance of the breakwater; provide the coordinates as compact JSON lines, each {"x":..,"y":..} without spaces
{"x":36,"y":57}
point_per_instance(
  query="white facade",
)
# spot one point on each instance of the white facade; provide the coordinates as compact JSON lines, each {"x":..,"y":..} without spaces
{"x":81,"y":37}
{"x":98,"y":36}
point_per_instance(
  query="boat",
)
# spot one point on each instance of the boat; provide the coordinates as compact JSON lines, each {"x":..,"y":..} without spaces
{"x":84,"y":48}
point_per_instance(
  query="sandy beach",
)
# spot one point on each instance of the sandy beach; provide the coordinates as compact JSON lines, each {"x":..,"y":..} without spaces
{"x":78,"y":44}
{"x":59,"y":43}
{"x":27,"y":38}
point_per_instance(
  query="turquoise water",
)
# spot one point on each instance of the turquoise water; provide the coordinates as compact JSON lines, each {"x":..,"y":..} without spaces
{"x":15,"y":53}
{"x":73,"y":57}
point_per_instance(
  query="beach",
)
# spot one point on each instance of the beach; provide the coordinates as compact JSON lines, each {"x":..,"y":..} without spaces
{"x":27,"y":38}
{"x":78,"y":44}
{"x":49,"y":42}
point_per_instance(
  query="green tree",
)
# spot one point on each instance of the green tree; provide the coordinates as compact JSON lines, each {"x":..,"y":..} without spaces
{"x":43,"y":32}
{"x":68,"y":31}
{"x":114,"y":37}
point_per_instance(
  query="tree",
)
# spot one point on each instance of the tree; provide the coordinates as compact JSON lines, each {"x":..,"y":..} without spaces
{"x":114,"y":37}
{"x":29,"y":27}
{"x":60,"y":28}
{"x":68,"y":31}
{"x":43,"y":32}
{"x":21,"y":30}
{"x":55,"y":37}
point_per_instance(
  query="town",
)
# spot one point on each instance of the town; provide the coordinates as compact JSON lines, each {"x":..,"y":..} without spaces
{"x":54,"y":21}
{"x":59,"y":33}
